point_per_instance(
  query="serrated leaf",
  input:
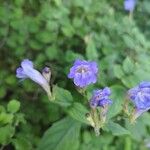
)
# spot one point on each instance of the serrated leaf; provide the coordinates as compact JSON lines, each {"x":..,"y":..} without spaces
{"x":116,"y":129}
{"x":78,"y":112}
{"x":62,"y":97}
{"x":63,"y":135}
{"x":128,"y":65}
{"x":118,"y":71}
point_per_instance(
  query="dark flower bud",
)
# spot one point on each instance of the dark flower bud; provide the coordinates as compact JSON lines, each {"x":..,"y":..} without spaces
{"x":46,"y":72}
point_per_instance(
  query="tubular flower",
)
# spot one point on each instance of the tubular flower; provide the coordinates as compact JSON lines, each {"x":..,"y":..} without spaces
{"x":140,"y":96}
{"x":83,"y":73}
{"x":27,"y":71}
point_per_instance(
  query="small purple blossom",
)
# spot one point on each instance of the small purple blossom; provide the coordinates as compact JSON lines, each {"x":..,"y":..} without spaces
{"x":101,"y":98}
{"x":129,"y":5}
{"x":27,"y":71}
{"x":140,"y":96}
{"x":83,"y":73}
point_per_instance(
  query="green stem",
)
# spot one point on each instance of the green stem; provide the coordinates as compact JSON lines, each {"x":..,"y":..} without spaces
{"x":125,"y":107}
{"x":128,"y":143}
{"x":130,"y":15}
{"x":132,"y":117}
{"x":95,"y":118}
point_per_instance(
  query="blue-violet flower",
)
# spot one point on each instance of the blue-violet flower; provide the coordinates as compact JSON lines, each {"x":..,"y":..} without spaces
{"x":140,"y":96}
{"x":83,"y":73}
{"x":27,"y":71}
{"x":101,"y":98}
{"x":129,"y":5}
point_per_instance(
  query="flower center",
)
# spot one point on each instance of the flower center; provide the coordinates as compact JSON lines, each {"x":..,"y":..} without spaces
{"x":82,"y":70}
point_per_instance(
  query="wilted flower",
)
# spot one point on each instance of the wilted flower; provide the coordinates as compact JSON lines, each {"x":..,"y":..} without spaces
{"x":27,"y":71}
{"x":83,"y":73}
{"x":129,"y":5}
{"x":101,"y":98}
{"x":140,"y":96}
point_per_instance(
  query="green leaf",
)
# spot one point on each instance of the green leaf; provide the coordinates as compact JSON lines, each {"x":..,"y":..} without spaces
{"x":91,"y":51}
{"x":137,"y":130}
{"x":6,"y":118}
{"x":128,"y":65}
{"x":10,"y":79}
{"x":19,"y":2}
{"x":70,"y":56}
{"x":78,"y":112}
{"x":118,"y":72}
{"x":146,"y":6}
{"x":117,"y":98}
{"x":51,"y":52}
{"x":2,"y":92}
{"x":13,"y":106}
{"x":34,"y":44}
{"x":63,"y":135}
{"x":6,"y":133}
{"x":22,"y":143}
{"x":141,"y":74}
{"x":68,"y":30}
{"x":116,"y":129}
{"x":130,"y":43}
{"x":2,"y":109}
{"x":130,"y":81}
{"x":62,"y":97}
{"x":145,"y":118}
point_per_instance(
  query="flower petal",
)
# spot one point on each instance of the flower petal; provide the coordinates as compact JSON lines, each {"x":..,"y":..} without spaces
{"x":129,"y":5}
{"x":144,"y":84}
{"x":20,"y":73}
{"x":27,"y":63}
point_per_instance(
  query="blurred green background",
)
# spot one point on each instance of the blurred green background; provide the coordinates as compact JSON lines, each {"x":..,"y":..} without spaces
{"x":54,"y":33}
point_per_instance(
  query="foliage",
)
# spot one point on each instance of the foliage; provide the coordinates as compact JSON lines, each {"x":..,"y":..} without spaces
{"x":54,"y":33}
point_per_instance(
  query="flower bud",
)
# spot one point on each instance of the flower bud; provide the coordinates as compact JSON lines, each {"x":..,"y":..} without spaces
{"x":46,"y":72}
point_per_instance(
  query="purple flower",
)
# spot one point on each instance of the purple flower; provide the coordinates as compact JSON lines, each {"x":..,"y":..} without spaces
{"x":140,"y":96}
{"x":83,"y":73}
{"x":27,"y":71}
{"x":129,"y":5}
{"x":101,"y":98}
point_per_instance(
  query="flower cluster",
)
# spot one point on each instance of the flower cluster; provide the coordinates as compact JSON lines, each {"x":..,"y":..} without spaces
{"x":140,"y":96}
{"x":27,"y":71}
{"x":101,"y":98}
{"x":129,"y":5}
{"x":83,"y":73}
